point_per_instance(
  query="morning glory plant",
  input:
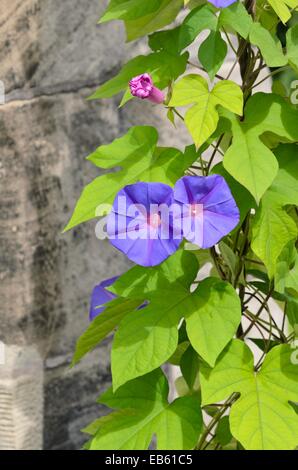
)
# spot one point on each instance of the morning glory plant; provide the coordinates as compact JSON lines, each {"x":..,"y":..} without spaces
{"x":209,"y":230}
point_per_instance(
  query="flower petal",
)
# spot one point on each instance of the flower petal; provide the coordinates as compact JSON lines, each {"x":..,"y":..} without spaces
{"x":100,"y":296}
{"x":222,"y":3}
{"x":145,"y":236}
{"x":219,"y":213}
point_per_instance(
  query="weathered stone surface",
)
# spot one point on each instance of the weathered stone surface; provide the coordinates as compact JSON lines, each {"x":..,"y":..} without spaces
{"x":21,"y":399}
{"x":70,"y":399}
{"x":52,"y":56}
{"x":44,"y":43}
{"x":44,"y":142}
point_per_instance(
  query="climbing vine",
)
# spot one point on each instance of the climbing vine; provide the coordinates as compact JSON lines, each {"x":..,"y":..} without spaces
{"x":211,"y":230}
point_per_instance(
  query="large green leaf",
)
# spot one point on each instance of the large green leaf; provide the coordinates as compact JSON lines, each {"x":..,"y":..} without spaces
{"x":202,"y":118}
{"x":162,"y":66}
{"x":292,"y":311}
{"x":262,"y":417}
{"x":128,"y":9}
{"x":248,"y":159}
{"x":212,"y":53}
{"x":141,"y":18}
{"x":147,"y":338}
{"x":103,"y":325}
{"x":284,"y":189}
{"x":214,"y":307}
{"x":236,"y":18}
{"x":139,"y":159}
{"x":292,"y":47}
{"x":273,"y":228}
{"x":269,"y":46}
{"x":165,"y":14}
{"x":177,"y":39}
{"x":286,"y":275}
{"x":144,"y":410}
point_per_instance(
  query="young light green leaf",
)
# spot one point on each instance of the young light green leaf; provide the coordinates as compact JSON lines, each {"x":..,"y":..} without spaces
{"x":202,"y":119}
{"x":261,"y":419}
{"x":281,"y":8}
{"x":144,"y":410}
{"x":229,"y":95}
{"x":212,"y":317}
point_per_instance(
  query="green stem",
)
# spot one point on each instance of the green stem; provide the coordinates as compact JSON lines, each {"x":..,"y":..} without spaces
{"x":275,"y":72}
{"x":215,"y":420}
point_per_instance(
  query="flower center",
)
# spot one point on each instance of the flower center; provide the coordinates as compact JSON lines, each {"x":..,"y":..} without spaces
{"x":195,"y":209}
{"x":154,"y":220}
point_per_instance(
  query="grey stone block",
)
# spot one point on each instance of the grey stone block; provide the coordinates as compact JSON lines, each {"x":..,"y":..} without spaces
{"x":21,"y":399}
{"x":44,"y":43}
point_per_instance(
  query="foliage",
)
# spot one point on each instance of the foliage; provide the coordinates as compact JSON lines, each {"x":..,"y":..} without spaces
{"x":237,"y":357}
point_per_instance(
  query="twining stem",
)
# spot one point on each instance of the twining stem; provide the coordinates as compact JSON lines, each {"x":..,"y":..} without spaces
{"x":262,"y":307}
{"x":216,"y":149}
{"x":217,"y":263}
{"x":215,"y":420}
{"x":260,"y":323}
{"x":203,"y":70}
{"x":229,"y":41}
{"x":275,"y":72}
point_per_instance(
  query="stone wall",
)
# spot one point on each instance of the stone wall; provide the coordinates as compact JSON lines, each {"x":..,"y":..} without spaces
{"x":52,"y":57}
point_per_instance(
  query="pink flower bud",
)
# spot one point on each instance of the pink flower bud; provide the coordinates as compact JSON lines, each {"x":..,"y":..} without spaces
{"x":142,"y":87}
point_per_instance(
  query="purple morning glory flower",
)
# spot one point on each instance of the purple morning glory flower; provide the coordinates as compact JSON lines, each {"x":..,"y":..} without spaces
{"x":100,"y":296}
{"x":209,"y":211}
{"x":141,"y":223}
{"x":142,"y":86}
{"x":222,"y":3}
